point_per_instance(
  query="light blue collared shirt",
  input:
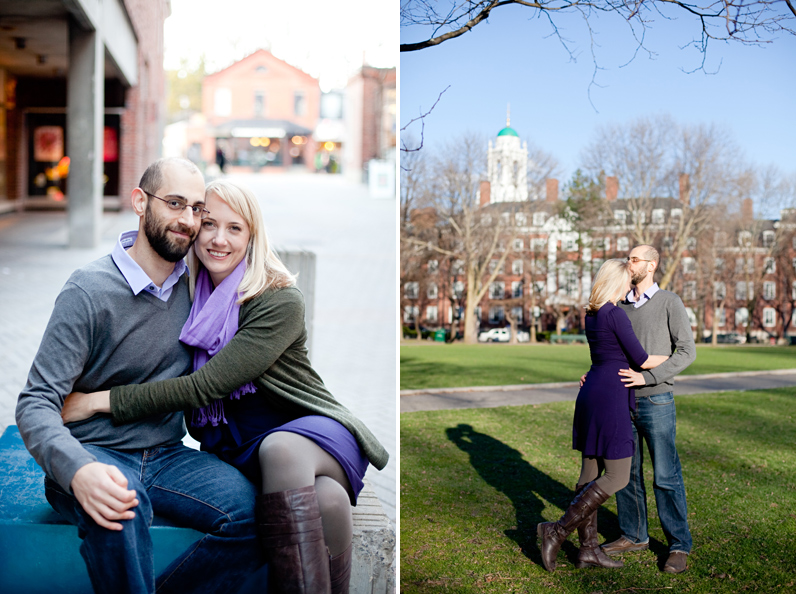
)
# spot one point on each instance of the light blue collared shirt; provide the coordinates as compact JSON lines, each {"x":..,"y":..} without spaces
{"x":645,"y":296}
{"x":135,"y":275}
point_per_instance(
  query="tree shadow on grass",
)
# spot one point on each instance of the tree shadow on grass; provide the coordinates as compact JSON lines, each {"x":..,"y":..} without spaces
{"x":528,"y":489}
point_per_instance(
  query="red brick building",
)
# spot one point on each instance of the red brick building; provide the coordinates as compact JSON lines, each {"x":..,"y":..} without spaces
{"x":261,"y":113}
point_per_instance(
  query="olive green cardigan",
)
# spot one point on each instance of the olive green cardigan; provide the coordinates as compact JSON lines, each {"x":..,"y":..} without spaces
{"x":269,"y":351}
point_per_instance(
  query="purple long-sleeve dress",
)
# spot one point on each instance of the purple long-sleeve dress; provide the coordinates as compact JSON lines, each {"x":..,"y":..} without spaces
{"x":602,"y":424}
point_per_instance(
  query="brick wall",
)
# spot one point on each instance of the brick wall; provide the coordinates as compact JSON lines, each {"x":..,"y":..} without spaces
{"x":142,"y":121}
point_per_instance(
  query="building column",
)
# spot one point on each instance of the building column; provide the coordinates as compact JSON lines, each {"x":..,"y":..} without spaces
{"x":85,"y":109}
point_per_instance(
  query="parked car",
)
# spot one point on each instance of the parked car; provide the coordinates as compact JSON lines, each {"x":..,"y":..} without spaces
{"x":495,"y":335}
{"x":523,"y":336}
{"x":728,"y":338}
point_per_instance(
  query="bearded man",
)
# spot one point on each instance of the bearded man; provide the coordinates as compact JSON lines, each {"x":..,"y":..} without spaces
{"x":117,"y":321}
{"x":661,"y":324}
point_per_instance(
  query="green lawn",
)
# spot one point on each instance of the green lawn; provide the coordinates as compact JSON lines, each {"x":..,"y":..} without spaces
{"x":454,"y":365}
{"x":474,"y":484}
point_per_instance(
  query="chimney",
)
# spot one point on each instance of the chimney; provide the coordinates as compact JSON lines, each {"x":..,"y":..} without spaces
{"x":552,"y":190}
{"x":685,"y":189}
{"x":747,"y":210}
{"x":485,"y":190}
{"x":611,"y":188}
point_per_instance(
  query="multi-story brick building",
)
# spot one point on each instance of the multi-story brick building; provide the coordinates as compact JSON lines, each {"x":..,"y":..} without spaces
{"x":736,"y":275}
{"x":81,"y":96}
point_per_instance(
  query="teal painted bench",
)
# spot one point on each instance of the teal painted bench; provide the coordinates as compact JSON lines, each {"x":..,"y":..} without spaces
{"x":39,"y":550}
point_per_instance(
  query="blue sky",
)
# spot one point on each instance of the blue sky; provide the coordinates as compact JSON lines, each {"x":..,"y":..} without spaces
{"x":512,"y":59}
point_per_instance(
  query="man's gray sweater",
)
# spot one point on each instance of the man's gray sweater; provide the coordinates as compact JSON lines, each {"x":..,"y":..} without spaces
{"x":662,"y":327}
{"x":101,"y":335}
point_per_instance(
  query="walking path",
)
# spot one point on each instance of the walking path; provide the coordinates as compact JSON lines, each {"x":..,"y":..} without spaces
{"x":354,"y":332}
{"x":492,"y":396}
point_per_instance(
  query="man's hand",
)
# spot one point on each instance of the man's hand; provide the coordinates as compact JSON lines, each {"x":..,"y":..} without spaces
{"x":102,"y":491}
{"x":632,"y":379}
{"x":583,"y":379}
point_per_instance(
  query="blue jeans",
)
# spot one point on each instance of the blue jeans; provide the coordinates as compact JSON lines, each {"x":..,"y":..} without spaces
{"x":193,"y":489}
{"x":655,"y":421}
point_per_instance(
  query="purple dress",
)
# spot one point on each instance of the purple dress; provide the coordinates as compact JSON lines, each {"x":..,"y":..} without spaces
{"x":602,"y":425}
{"x":253,"y":417}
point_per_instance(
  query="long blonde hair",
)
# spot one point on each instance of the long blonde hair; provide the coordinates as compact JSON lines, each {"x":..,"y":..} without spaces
{"x":610,"y":280}
{"x":264,"y":269}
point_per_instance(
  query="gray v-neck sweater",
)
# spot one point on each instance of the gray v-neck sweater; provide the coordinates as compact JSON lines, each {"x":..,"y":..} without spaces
{"x":662,"y":328}
{"x":100,"y":335}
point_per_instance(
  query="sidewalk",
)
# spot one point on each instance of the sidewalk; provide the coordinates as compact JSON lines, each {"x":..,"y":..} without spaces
{"x":493,"y":396}
{"x":354,"y":333}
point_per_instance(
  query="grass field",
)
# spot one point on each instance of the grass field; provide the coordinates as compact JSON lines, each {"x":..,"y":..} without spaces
{"x":456,"y":365}
{"x":474,"y":484}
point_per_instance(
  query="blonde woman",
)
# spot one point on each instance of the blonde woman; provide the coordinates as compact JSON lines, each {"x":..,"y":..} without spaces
{"x":258,"y":403}
{"x":601,"y":429}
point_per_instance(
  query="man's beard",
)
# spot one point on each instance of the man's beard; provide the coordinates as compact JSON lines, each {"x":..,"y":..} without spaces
{"x":163,"y":245}
{"x":637,"y":277}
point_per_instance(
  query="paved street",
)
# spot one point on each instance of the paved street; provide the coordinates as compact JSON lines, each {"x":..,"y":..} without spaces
{"x":492,"y":396}
{"x":354,"y":330}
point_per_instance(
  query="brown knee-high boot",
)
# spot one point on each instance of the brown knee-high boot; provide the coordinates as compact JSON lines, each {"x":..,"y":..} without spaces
{"x":340,"y":571}
{"x":590,"y":553}
{"x":291,"y":536}
{"x":553,"y":534}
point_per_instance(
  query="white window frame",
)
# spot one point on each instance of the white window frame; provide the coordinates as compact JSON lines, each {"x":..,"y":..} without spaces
{"x":539,"y":218}
{"x":433,"y":266}
{"x":497,"y":290}
{"x":769,"y":238}
{"x":622,"y":244}
{"x":516,"y":267}
{"x":410,"y":313}
{"x":519,"y":245}
{"x":742,"y":317}
{"x":769,"y":317}
{"x":689,"y":265}
{"x":497,"y":314}
{"x":516,"y":313}
{"x":432,"y":291}
{"x":516,"y":289}
{"x":658,"y":216}
{"x":520,"y":219}
{"x":745,"y":238}
{"x":620,"y":217}
{"x":432,"y":313}
{"x":411,"y":290}
{"x":769,"y":266}
{"x":692,"y":319}
{"x":769,"y":290}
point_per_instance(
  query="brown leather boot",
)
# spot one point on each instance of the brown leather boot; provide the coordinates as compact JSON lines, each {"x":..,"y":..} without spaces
{"x":590,"y":553}
{"x":553,"y":534}
{"x":340,"y":571}
{"x":291,"y":536}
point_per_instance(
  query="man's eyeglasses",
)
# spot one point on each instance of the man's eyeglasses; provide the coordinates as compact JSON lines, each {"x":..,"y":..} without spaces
{"x":635,"y":260}
{"x":179,"y":205}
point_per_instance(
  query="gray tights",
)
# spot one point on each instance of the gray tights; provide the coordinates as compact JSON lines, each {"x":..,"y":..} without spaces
{"x":291,"y":461}
{"x":615,"y":478}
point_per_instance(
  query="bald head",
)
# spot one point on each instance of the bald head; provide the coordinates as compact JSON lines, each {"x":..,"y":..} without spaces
{"x":153,"y":176}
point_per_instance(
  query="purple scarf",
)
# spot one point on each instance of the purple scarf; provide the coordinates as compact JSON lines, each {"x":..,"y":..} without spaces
{"x":212,"y":323}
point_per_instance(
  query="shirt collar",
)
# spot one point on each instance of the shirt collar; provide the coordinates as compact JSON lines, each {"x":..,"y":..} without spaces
{"x":132,"y":272}
{"x":645,"y":296}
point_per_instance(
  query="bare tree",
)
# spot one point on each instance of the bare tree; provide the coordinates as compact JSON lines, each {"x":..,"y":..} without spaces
{"x":742,"y":21}
{"x":473,"y":235}
{"x":655,"y":160}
